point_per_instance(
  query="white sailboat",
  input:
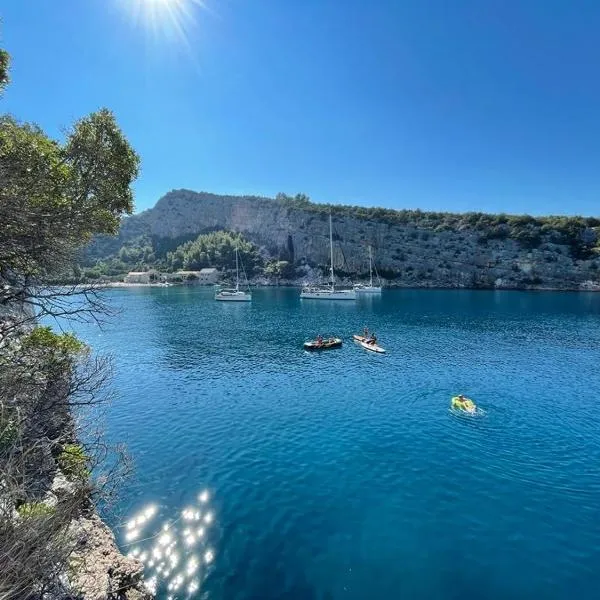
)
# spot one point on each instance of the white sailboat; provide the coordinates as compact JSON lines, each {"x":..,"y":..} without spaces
{"x":235,"y":295}
{"x":368,"y":289}
{"x":327,"y":293}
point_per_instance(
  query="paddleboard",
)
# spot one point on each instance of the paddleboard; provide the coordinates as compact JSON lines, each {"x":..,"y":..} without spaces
{"x":372,"y":347}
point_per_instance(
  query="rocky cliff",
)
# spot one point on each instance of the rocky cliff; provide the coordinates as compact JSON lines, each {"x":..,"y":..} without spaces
{"x":53,"y":544}
{"x":411,"y":248}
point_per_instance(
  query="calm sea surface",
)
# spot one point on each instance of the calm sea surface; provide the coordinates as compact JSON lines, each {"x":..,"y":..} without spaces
{"x":265,"y":472}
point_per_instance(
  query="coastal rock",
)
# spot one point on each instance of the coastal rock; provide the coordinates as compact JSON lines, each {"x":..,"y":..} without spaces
{"x":97,"y":570}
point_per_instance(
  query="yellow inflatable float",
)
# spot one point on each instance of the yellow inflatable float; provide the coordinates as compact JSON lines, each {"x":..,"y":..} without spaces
{"x":463,"y":403}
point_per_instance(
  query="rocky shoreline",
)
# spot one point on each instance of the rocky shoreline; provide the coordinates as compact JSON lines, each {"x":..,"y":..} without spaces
{"x":103,"y":572}
{"x":585,"y":286}
{"x":50,"y":512}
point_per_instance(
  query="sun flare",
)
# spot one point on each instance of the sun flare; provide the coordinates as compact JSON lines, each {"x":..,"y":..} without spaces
{"x":172,"y":20}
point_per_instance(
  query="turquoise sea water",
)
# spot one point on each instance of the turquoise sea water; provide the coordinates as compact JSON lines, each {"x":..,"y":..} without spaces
{"x":344,"y":474}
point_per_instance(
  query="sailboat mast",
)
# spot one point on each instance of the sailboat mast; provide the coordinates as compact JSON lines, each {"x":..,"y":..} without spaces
{"x":331,"y":250}
{"x":237,"y":275}
{"x":370,"y":268}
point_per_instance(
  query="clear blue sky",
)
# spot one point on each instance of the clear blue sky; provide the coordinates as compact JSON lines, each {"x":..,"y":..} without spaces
{"x":489,"y":105}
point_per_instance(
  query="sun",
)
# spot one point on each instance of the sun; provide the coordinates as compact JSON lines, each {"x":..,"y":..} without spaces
{"x":171,"y":20}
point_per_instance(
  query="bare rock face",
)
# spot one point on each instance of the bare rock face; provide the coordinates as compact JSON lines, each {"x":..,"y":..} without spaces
{"x":98,"y":571}
{"x":409,"y":254}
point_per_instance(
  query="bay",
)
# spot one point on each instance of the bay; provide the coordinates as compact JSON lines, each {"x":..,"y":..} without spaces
{"x":279,"y":473}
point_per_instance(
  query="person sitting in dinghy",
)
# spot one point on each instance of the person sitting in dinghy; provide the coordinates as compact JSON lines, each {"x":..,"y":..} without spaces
{"x":319,"y":340}
{"x":372,"y":340}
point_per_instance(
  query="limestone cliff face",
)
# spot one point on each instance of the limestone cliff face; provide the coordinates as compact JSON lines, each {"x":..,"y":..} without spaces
{"x":408,"y":254}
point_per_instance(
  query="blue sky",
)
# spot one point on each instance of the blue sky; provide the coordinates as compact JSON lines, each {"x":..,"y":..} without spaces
{"x":468,"y":105}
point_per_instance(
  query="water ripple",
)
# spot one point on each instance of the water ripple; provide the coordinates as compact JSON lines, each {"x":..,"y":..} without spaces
{"x":344,"y":474}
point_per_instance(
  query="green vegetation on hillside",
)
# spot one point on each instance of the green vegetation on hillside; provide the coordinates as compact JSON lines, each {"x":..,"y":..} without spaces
{"x":215,"y":249}
{"x":527,"y":230}
{"x":280,"y":269}
{"x":137,"y":254}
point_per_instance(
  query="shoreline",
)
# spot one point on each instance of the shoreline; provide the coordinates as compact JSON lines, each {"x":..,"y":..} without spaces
{"x":594,"y":289}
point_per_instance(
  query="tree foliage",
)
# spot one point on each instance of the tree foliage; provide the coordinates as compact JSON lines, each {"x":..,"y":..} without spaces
{"x":216,"y":249}
{"x":279,"y":269}
{"x":297,"y":201}
{"x":43,"y":338}
{"x":74,"y":462}
{"x":54,"y":196}
{"x":4,"y":66}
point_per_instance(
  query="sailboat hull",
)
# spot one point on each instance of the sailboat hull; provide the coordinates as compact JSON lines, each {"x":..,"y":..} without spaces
{"x":225,"y":296}
{"x":368,"y":289}
{"x":235,"y":295}
{"x":328,"y":295}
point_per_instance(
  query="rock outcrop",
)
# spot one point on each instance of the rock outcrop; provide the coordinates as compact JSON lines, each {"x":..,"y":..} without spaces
{"x":51,"y":537}
{"x":98,"y":569}
{"x":412,"y":250}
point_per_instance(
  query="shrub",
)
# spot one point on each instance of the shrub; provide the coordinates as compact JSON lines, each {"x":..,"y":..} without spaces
{"x":528,"y":238}
{"x":35,"y":510}
{"x":73,"y":462}
{"x":9,"y":431}
{"x":44,"y":338}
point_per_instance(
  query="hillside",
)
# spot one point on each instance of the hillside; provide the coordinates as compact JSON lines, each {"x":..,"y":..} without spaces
{"x":411,"y":248}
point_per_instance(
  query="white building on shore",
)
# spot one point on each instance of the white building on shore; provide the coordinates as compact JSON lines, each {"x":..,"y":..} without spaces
{"x":202,"y":277}
{"x":141,"y":277}
{"x":209,"y":276}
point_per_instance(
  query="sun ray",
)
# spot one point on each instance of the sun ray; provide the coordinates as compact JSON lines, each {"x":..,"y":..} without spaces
{"x":173,"y":21}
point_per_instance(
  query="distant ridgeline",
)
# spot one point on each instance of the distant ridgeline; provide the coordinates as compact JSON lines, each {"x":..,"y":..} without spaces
{"x":288,"y":237}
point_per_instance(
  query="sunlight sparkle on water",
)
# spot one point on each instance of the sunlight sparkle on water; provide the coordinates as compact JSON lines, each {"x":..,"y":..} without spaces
{"x":169,"y":546}
{"x":192,"y":565}
{"x":151,"y":584}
